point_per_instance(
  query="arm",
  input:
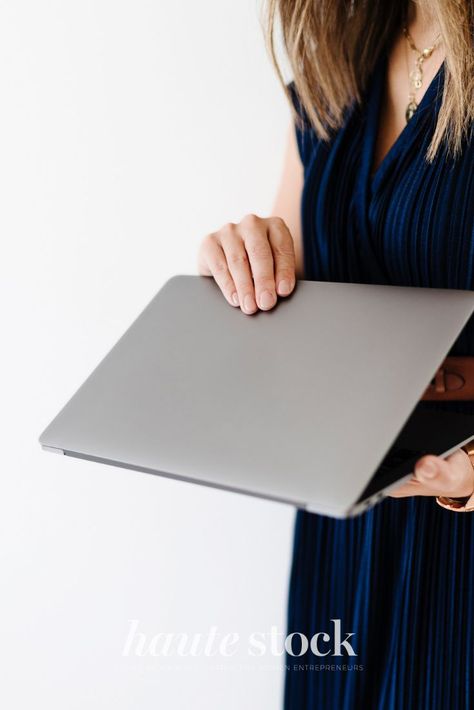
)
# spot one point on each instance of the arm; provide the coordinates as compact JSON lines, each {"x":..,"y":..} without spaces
{"x":287,"y":201}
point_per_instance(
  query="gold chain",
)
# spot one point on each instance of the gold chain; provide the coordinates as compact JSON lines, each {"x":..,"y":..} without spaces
{"x":416,"y":74}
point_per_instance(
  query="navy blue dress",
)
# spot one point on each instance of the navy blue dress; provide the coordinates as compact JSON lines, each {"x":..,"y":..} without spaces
{"x":400,"y":577}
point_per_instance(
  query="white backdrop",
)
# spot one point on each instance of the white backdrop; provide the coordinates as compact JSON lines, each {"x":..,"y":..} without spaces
{"x":128,"y":130}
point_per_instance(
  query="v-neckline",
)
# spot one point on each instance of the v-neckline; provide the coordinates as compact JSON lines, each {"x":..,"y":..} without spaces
{"x":376,"y":94}
{"x":367,"y":185}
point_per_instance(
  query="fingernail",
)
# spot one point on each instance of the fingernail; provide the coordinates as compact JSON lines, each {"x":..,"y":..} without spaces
{"x":284,"y":287}
{"x":249,"y":303}
{"x":235,"y":299}
{"x":428,"y":469}
{"x":267,"y":299}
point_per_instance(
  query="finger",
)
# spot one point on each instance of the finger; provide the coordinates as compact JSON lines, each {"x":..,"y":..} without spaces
{"x":435,"y":476}
{"x":254,"y":234}
{"x":430,"y":473}
{"x":283,"y":248}
{"x":212,"y":262}
{"x":452,"y":476}
{"x":412,"y":487}
{"x":239,"y":266}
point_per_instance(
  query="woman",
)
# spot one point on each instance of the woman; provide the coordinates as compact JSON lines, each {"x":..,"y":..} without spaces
{"x":377,"y":187}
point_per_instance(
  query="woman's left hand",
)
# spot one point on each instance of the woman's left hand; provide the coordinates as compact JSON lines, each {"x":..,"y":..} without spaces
{"x":452,"y":477}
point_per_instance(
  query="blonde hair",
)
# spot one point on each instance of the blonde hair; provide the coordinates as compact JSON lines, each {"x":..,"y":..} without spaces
{"x":333,"y":45}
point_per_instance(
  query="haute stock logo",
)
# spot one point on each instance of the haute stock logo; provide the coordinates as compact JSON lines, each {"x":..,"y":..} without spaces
{"x":214,"y":643}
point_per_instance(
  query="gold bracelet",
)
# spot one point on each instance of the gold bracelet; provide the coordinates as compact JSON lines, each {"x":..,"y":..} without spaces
{"x":466,"y":503}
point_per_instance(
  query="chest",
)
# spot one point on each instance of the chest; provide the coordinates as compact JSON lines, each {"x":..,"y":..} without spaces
{"x":408,"y":223}
{"x":405,"y":81}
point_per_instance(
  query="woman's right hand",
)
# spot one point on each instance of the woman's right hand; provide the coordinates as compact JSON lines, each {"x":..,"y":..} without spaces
{"x":252,"y":262}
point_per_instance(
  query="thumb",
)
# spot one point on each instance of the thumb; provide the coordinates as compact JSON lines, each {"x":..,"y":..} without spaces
{"x":428,"y":471}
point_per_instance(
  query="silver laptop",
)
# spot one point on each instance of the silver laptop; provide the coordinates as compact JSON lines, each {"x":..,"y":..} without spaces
{"x":314,"y":403}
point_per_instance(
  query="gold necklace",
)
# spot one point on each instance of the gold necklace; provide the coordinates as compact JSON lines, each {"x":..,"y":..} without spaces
{"x":416,"y":74}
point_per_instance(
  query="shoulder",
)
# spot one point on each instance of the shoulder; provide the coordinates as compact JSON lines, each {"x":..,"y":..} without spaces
{"x":305,"y":134}
{"x":297,"y":104}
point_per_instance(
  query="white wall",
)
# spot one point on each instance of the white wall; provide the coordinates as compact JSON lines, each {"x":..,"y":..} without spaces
{"x":128,"y":130}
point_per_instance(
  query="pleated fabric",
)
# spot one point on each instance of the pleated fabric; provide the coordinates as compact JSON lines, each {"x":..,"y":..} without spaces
{"x":400,"y":577}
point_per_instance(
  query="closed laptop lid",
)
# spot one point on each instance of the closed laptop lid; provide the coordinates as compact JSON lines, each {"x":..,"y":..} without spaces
{"x":298,"y":404}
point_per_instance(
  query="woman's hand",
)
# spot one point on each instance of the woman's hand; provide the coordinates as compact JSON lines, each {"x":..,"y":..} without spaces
{"x":252,"y":261}
{"x":452,"y":477}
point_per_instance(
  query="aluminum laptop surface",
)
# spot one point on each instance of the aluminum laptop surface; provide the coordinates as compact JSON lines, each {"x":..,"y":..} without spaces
{"x":299,"y":404}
